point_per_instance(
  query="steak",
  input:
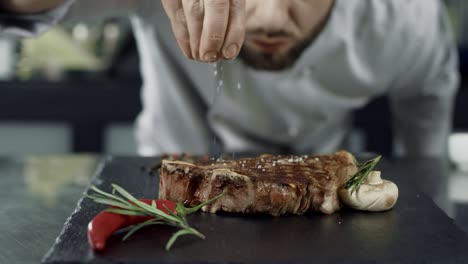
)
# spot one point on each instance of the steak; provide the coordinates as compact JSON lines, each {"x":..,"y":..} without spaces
{"x":267,"y":184}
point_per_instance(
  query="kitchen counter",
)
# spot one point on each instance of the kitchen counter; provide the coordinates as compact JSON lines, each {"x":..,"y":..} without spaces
{"x":40,"y":192}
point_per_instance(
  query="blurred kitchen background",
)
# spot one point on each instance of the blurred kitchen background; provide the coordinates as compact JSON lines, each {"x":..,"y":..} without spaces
{"x":75,"y":89}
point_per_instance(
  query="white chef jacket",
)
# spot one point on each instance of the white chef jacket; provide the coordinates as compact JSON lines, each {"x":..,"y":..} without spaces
{"x":402,"y":48}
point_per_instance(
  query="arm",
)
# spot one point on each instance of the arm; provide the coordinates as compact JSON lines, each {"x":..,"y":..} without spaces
{"x":423,"y":98}
{"x":29,"y":6}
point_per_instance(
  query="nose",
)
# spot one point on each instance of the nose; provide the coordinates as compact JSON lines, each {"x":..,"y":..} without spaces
{"x":270,"y":15}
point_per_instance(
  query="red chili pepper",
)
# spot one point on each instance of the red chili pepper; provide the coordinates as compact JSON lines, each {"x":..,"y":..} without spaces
{"x":105,"y":223}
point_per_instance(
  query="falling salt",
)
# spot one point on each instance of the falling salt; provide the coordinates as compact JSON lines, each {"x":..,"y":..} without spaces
{"x":239,"y":86}
{"x":219,"y":80}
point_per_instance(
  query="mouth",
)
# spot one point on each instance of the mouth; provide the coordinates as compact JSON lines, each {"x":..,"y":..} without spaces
{"x":270,"y":46}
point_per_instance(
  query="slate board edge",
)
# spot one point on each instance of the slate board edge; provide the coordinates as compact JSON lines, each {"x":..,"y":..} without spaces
{"x":47,"y":259}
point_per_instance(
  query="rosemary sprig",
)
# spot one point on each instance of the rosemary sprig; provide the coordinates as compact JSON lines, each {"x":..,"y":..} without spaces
{"x":124,"y":203}
{"x":153,"y":221}
{"x":364,"y":169}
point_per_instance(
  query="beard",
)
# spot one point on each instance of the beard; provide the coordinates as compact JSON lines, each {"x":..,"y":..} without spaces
{"x":274,"y":61}
{"x":278,"y":62}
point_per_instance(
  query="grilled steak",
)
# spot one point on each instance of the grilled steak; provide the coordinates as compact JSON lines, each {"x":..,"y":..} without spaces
{"x":268,"y":184}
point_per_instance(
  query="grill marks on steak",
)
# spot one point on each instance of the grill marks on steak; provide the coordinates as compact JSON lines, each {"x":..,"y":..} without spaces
{"x":266,"y":184}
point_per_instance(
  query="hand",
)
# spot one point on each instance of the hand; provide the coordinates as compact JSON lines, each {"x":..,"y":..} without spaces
{"x":207,"y":30}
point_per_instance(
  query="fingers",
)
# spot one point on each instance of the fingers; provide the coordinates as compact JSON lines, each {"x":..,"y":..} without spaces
{"x":215,"y":25}
{"x":194,"y":11}
{"x":175,"y":12}
{"x":207,"y":30}
{"x":236,"y":30}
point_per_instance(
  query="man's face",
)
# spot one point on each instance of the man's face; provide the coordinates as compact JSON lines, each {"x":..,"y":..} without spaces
{"x":278,"y":31}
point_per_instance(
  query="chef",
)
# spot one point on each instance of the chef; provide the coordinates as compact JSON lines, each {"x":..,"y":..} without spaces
{"x":268,"y":75}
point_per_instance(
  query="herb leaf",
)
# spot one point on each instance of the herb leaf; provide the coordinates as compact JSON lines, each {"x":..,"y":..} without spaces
{"x":153,"y":221}
{"x":198,"y":207}
{"x":148,"y":208}
{"x":108,"y":195}
{"x":125,"y":212}
{"x":106,"y":201}
{"x":364,"y":169}
{"x":182,"y":232}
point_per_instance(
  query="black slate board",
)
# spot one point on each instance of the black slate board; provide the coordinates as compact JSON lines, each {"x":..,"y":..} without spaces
{"x":415,"y":231}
